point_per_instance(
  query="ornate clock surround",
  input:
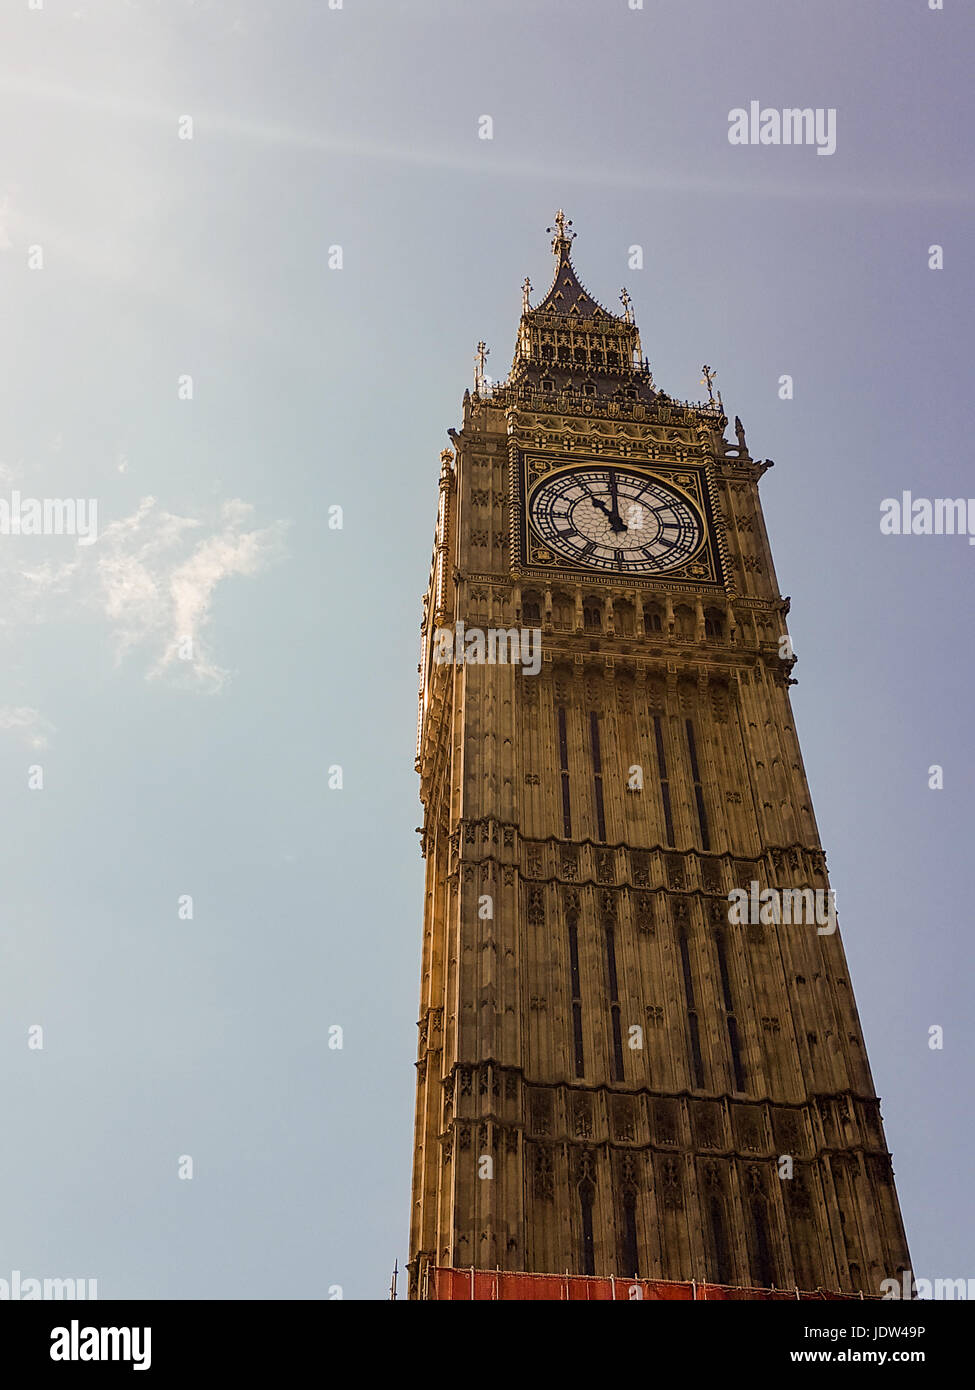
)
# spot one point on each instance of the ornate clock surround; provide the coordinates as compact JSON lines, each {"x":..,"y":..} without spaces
{"x":692,"y":481}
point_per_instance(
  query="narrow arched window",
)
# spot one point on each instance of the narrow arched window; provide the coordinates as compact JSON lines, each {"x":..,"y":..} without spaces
{"x":587,"y":1193}
{"x":630,"y":1250}
{"x":719,"y":1242}
{"x":764,"y":1263}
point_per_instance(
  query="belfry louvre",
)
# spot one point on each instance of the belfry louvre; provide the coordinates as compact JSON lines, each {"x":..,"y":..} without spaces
{"x":616,"y":1081}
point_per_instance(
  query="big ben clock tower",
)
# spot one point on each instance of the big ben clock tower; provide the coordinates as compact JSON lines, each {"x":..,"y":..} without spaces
{"x":640,"y":1061}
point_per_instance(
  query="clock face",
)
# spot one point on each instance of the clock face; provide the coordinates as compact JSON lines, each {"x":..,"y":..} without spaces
{"x":610,"y":519}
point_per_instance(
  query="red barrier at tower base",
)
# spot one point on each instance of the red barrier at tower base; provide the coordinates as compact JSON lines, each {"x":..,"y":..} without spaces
{"x":480,"y":1285}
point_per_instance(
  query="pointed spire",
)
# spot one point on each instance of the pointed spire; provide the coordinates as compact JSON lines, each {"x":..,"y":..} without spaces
{"x":481,"y":378}
{"x":742,"y":445}
{"x":567,"y":294}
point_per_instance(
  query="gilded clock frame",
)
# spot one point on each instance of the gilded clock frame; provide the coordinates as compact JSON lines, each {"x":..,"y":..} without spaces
{"x":688,"y":480}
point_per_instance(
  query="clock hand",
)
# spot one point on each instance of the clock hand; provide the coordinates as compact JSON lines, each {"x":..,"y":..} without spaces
{"x":616,"y":522}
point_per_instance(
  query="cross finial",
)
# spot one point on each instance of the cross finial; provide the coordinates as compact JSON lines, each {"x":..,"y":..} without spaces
{"x":626,"y":302}
{"x":526,"y":290}
{"x":563,"y":236}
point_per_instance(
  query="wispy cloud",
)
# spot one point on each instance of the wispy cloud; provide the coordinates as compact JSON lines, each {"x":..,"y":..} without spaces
{"x":152,"y":576}
{"x":35,"y":729}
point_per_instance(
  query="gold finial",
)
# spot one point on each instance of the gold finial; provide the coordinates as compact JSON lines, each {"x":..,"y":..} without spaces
{"x":563,"y":236}
{"x":480,"y":365}
{"x":626,"y":302}
{"x":708,"y":380}
{"x":526,"y":290}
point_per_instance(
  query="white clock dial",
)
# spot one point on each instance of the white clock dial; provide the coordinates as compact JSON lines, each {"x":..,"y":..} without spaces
{"x":610,"y":519}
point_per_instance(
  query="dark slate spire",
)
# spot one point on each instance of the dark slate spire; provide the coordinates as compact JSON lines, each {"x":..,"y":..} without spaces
{"x":567,"y":295}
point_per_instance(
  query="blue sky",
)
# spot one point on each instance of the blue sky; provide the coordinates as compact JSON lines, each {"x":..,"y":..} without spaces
{"x":313,"y":387}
